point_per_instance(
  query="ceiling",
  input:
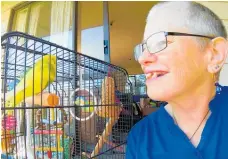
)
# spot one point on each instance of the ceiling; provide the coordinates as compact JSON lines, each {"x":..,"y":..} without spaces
{"x":6,"y":5}
{"x":128,"y":20}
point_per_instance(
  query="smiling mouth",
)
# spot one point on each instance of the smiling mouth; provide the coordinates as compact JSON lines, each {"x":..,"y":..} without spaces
{"x":155,"y":75}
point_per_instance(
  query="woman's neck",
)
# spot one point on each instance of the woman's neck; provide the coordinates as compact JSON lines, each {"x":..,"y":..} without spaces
{"x":193,"y":105}
{"x":190,"y":111}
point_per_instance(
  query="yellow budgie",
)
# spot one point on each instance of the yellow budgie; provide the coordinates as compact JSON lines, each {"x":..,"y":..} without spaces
{"x":43,"y":72}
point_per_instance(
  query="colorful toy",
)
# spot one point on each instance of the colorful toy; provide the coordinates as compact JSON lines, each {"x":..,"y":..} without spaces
{"x":107,"y":110}
{"x":85,"y":103}
{"x":44,"y":124}
{"x":8,"y":133}
{"x":50,"y":139}
{"x":48,"y":135}
{"x":9,"y":125}
{"x":52,"y":143}
{"x":86,"y":100}
{"x":67,"y":143}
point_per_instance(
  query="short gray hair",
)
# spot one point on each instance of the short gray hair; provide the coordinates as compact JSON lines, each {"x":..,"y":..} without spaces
{"x":195,"y":17}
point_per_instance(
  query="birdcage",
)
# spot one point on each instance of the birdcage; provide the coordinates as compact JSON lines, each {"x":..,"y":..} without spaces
{"x":57,"y":103}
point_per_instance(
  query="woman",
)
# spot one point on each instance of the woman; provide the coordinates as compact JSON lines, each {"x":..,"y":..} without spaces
{"x":183,"y":51}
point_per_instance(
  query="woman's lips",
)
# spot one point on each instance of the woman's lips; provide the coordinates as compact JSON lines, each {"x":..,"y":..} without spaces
{"x":155,"y":74}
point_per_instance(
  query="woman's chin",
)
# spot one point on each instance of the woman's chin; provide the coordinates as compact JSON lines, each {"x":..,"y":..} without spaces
{"x":158,"y":95}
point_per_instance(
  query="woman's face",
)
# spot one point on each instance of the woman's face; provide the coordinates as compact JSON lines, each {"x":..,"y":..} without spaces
{"x":176,"y":70}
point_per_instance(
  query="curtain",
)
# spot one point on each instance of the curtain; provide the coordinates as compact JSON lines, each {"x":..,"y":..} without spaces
{"x":34,"y":17}
{"x":61,"y":23}
{"x":26,"y":20}
{"x":20,"y":20}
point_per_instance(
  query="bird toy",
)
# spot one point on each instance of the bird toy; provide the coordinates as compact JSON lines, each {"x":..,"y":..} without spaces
{"x":83,"y":101}
{"x":8,"y":133}
{"x":108,"y":109}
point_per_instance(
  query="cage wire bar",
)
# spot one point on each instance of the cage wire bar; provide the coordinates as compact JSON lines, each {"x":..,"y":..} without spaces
{"x":57,"y":103}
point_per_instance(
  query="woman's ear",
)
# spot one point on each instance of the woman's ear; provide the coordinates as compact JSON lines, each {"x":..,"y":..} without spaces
{"x":218,"y":54}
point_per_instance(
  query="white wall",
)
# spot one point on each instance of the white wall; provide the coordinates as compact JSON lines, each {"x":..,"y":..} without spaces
{"x":224,"y":76}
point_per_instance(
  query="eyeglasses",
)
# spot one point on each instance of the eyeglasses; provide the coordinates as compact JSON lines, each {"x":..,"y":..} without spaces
{"x":158,"y":42}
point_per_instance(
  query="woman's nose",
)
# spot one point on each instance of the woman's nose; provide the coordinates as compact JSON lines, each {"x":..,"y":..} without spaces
{"x":147,"y":58}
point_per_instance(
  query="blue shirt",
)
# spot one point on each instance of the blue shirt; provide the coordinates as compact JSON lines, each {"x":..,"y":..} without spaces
{"x":157,"y":137}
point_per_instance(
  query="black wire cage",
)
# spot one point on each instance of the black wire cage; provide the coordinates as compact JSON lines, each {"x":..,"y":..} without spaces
{"x":57,"y":103}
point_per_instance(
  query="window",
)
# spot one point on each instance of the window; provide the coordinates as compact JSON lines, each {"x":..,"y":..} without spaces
{"x":138,"y":83}
{"x":90,"y":40}
{"x":51,"y":21}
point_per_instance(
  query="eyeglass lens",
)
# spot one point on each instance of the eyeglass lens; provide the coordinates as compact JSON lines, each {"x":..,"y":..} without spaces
{"x":153,"y":44}
{"x":156,"y":42}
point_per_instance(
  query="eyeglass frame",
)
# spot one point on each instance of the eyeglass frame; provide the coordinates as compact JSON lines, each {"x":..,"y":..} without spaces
{"x":173,"y":34}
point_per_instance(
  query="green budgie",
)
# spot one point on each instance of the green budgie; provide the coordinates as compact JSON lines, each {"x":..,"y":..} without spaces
{"x":42,"y":71}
